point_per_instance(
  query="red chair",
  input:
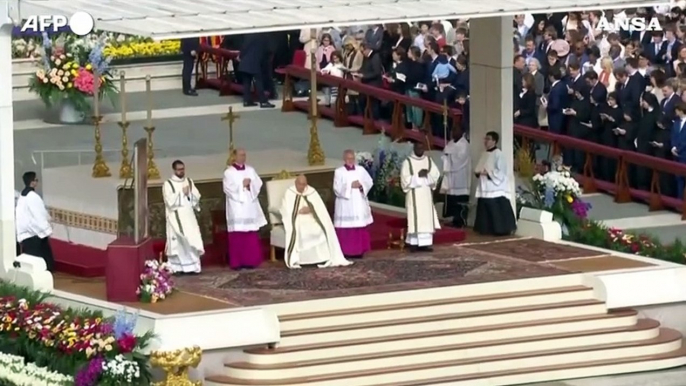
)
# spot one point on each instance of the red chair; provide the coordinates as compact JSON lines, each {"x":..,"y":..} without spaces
{"x":299,"y":58}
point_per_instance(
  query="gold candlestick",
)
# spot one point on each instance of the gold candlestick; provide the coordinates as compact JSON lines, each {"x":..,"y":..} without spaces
{"x":231,"y":118}
{"x":125,"y":170}
{"x":153,"y":172}
{"x":315,"y":153}
{"x":176,"y":365}
{"x":100,"y":168}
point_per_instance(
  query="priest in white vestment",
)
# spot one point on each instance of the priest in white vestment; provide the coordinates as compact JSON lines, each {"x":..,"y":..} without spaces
{"x":457,"y":178}
{"x":352,"y":214}
{"x":244,"y":215}
{"x":418,"y":178}
{"x":33,"y":222}
{"x":310,"y":234}
{"x":494,"y":214}
{"x":184,"y":241}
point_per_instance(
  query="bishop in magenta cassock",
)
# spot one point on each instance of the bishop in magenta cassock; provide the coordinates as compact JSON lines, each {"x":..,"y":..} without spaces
{"x":244,"y":215}
{"x":352,"y":213}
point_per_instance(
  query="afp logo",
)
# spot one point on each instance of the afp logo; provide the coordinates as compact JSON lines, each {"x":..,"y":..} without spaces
{"x":80,"y":23}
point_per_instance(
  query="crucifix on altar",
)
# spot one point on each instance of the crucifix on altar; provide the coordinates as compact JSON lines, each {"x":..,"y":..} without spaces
{"x":231,"y":118}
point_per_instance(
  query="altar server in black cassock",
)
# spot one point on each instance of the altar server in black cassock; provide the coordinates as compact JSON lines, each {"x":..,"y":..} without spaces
{"x":611,"y":116}
{"x":494,"y":213}
{"x":33,"y":222}
{"x":189,"y":51}
{"x":645,"y":134}
{"x":579,"y":114}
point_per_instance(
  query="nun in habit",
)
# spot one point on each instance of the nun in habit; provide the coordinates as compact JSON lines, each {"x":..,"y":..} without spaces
{"x":494,"y":214}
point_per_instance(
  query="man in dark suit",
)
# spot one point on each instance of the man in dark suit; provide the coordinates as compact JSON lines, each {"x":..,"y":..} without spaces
{"x":678,"y":140}
{"x":189,"y":51}
{"x":671,"y":48}
{"x":373,"y":38}
{"x":253,"y":55}
{"x":371,"y":73}
{"x":668,"y":103}
{"x":518,"y":68}
{"x":629,"y":90}
{"x":558,"y":100}
{"x":576,"y":82}
{"x":655,"y":50}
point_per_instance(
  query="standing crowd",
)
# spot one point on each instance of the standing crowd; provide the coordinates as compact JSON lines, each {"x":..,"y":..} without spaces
{"x":572,"y":76}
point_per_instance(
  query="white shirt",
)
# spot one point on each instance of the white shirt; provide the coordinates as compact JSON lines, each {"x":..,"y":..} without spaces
{"x":32,"y":218}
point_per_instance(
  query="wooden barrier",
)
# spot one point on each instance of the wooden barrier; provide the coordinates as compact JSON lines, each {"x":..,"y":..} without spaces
{"x":222,"y":81}
{"x":339,"y":111}
{"x":620,"y":187}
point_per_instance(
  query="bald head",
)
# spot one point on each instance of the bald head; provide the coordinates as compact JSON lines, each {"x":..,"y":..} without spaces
{"x":240,"y":156}
{"x":301,"y":183}
{"x":349,"y":157}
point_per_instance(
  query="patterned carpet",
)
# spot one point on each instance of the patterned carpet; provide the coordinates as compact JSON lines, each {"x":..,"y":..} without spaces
{"x":381,"y":271}
{"x":534,"y":250}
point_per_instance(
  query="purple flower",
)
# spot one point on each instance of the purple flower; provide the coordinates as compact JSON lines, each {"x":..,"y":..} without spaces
{"x":580,"y":208}
{"x":89,"y":375}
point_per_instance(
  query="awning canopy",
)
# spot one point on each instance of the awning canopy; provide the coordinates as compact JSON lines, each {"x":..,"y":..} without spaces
{"x":167,"y":19}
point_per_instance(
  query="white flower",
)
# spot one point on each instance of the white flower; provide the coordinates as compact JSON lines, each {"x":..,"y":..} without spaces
{"x":14,"y":370}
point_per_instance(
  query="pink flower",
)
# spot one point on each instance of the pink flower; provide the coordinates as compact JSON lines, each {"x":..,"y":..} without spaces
{"x":84,"y":81}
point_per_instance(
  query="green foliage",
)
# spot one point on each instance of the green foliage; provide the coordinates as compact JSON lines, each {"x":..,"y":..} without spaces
{"x":60,"y":340}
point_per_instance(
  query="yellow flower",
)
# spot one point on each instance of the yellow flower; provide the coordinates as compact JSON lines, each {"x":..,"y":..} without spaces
{"x":89,"y":67}
{"x":74,"y":72}
{"x":570,"y":199}
{"x":75,"y":65}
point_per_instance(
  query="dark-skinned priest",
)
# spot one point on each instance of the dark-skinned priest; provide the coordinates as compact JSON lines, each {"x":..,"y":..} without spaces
{"x":494,"y":213}
{"x":418,"y":178}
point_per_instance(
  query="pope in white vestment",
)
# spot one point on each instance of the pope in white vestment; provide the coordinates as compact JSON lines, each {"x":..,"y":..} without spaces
{"x":33,"y":222}
{"x":310,"y":234}
{"x":457,"y":177}
{"x":494,"y":214}
{"x":418,"y":178}
{"x":244,"y":215}
{"x":184,"y":241}
{"x":352,"y":214}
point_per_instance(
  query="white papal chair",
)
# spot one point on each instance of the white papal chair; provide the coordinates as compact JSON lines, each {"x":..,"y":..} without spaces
{"x":276,"y":188}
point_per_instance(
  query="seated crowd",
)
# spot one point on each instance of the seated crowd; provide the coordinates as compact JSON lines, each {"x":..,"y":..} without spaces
{"x":623,"y":89}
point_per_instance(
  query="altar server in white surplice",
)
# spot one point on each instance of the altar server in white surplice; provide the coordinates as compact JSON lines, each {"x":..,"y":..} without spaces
{"x":184,"y":241}
{"x":352,"y":214}
{"x":457,"y":178}
{"x":418,"y":178}
{"x":494,"y":214}
{"x":33,"y":222}
{"x":310,"y":235}
{"x":244,"y":215}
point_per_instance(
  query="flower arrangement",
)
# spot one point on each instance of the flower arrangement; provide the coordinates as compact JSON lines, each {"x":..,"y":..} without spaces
{"x":384,"y":167}
{"x":116,"y":46}
{"x":68,"y":72}
{"x":156,"y":282}
{"x":558,"y":192}
{"x":15,"y":370}
{"x":143,"y":49}
{"x":65,"y":340}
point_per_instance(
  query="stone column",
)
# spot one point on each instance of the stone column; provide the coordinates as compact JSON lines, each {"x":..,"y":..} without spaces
{"x":7,"y":232}
{"x":491,"y":89}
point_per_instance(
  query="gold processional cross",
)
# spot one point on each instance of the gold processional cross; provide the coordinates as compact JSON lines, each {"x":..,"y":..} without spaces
{"x":231,"y":118}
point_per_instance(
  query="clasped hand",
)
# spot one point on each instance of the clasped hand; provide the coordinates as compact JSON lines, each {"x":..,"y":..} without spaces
{"x":304,"y":210}
{"x":186,"y":190}
{"x":356,"y":185}
{"x":423,"y":173}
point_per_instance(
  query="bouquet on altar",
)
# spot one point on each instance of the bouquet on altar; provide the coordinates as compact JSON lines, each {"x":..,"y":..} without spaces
{"x":68,"y":71}
{"x":384,"y":165}
{"x":156,"y":282}
{"x":558,"y":192}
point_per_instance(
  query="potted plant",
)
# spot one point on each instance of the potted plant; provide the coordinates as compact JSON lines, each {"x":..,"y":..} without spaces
{"x":66,"y":77}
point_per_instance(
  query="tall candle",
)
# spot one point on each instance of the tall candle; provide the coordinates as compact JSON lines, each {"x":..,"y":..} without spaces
{"x":96,"y":95}
{"x":148,"y":93}
{"x":122,"y":96}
